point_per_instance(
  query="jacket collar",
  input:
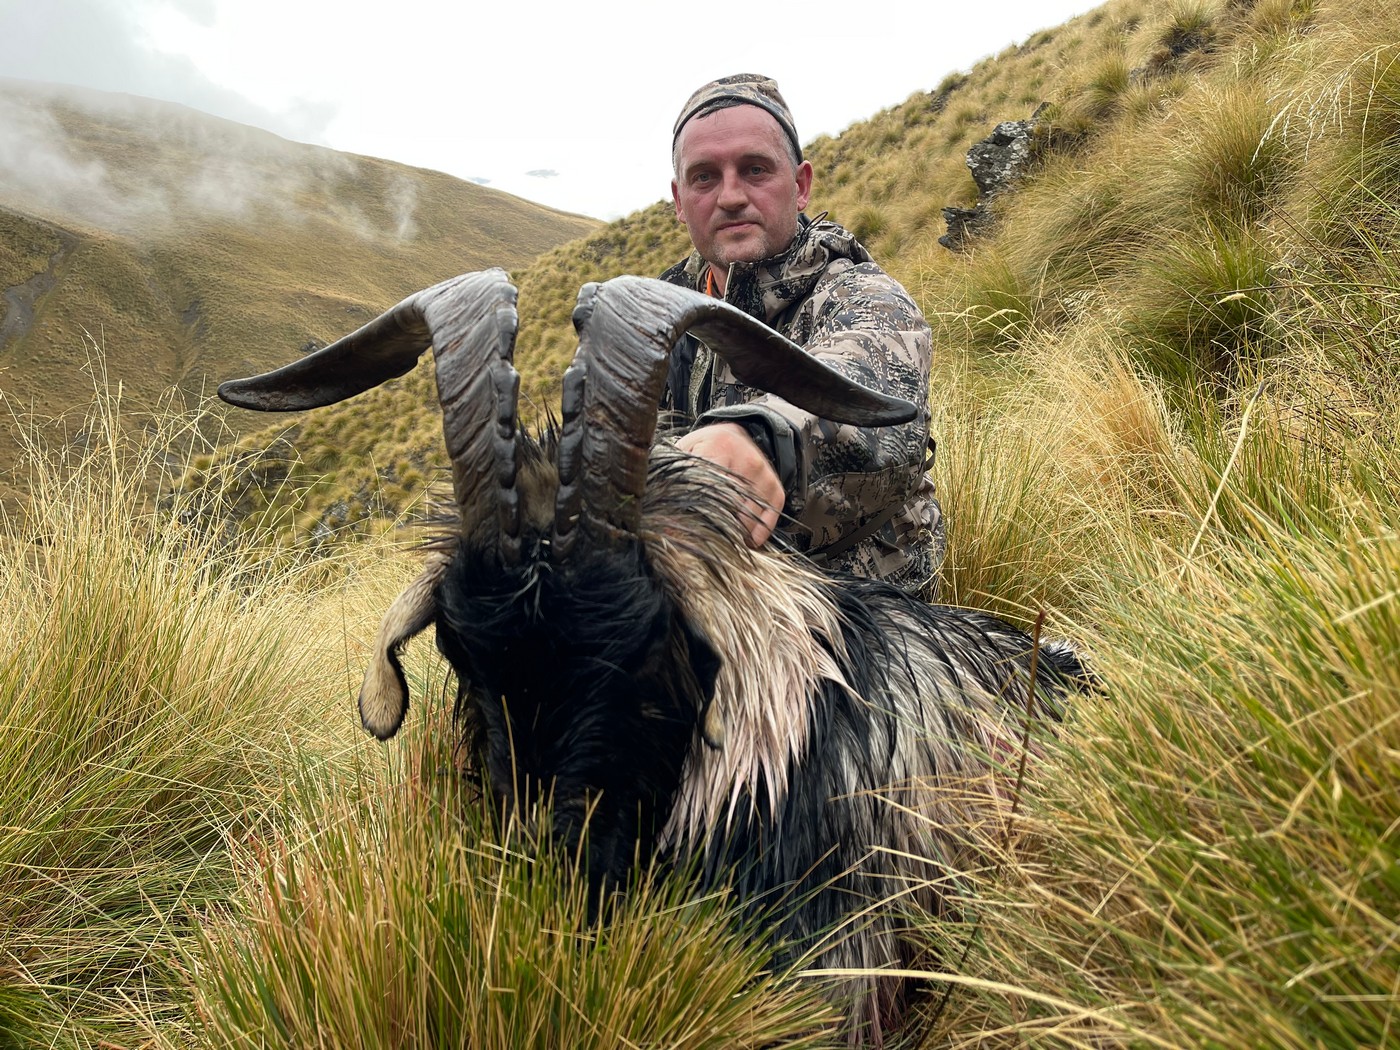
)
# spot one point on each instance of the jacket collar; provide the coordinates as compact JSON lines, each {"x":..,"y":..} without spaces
{"x":767,"y":288}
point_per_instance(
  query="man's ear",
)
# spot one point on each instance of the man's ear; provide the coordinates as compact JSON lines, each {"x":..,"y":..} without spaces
{"x":804,"y":185}
{"x":676,"y":197}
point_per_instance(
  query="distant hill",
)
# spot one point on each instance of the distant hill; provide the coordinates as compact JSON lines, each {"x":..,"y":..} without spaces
{"x":191,"y":248}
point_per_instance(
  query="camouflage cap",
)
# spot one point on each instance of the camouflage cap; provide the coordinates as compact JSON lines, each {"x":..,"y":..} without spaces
{"x":744,"y":88}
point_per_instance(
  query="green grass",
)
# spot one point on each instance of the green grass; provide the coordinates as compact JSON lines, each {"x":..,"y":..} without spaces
{"x":409,"y":917}
{"x":25,"y":248}
{"x":147,"y":702}
{"x":1168,"y":410}
{"x":1203,"y":305}
{"x":1212,"y":858}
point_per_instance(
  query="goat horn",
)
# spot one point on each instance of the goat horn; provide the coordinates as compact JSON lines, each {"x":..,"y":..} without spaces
{"x":470,"y":321}
{"x":758,"y":356}
{"x":627,"y":328}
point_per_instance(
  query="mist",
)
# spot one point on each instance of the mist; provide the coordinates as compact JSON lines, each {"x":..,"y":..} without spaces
{"x":136,"y":166}
{"x":102,"y":44}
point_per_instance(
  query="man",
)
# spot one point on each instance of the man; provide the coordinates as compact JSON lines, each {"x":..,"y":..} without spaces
{"x":851,"y":498}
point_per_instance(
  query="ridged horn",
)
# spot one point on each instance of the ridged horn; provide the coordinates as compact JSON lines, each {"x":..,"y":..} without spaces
{"x":470,"y":321}
{"x":758,"y":356}
{"x":627,"y":328}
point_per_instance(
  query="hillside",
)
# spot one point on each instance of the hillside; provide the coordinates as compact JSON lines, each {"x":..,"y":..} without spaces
{"x":191,"y":248}
{"x":1180,"y":157}
{"x":1167,"y":398}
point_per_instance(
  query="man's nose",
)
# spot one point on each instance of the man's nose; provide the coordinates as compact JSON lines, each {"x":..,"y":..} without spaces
{"x":732,"y":192}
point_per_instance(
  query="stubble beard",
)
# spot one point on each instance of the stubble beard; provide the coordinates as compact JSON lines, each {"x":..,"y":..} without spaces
{"x":750,"y":248}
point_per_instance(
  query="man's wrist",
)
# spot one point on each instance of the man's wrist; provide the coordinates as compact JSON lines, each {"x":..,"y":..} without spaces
{"x":773,"y":435}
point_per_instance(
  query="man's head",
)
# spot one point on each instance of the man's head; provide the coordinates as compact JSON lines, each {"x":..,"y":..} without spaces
{"x":740,"y":180}
{"x":741,"y":89}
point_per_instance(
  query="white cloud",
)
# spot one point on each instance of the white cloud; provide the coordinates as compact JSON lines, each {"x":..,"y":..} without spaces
{"x":494,"y":92}
{"x":107,"y":45}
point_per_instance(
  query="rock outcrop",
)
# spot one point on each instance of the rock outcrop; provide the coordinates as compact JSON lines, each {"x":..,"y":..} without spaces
{"x":997,"y":164}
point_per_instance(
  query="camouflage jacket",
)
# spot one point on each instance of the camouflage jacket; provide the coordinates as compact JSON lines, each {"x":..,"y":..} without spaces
{"x":858,"y":499}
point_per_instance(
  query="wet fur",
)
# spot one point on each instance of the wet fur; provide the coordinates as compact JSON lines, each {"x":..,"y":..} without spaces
{"x":821,"y":744}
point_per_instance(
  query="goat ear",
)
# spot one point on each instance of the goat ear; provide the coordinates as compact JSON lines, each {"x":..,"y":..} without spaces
{"x":704,"y":667}
{"x":384,"y":694}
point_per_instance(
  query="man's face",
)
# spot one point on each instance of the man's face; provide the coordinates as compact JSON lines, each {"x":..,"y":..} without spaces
{"x":736,"y":189}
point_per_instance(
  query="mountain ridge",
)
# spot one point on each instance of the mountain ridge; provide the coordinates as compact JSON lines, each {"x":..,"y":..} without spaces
{"x":181,"y":248}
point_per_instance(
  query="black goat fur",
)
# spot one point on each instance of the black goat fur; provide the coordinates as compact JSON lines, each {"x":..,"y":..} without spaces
{"x":592,"y":681}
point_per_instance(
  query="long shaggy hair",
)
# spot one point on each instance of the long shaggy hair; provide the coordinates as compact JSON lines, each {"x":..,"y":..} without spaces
{"x":828,"y":747}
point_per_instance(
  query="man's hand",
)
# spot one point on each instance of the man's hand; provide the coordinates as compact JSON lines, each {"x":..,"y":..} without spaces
{"x":729,"y":446}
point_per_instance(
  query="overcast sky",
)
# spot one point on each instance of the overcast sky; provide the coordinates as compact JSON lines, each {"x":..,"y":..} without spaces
{"x":570,"y":105}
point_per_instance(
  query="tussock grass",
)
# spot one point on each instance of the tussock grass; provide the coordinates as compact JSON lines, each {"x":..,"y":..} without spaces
{"x":997,"y":478}
{"x":1211,"y":859}
{"x":1209,"y":855}
{"x":154,"y":679}
{"x":1107,"y":87}
{"x":1202,"y":305}
{"x":990,"y":302}
{"x":1232,"y":164}
{"x":411,"y":917}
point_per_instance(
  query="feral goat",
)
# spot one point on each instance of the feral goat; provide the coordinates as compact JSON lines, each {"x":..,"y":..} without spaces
{"x":826,"y":746}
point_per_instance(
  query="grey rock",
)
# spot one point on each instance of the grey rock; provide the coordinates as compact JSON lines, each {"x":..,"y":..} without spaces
{"x":997,"y":164}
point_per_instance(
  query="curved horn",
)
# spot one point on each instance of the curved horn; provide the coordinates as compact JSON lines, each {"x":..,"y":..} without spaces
{"x":611,"y":395}
{"x":627,"y":329}
{"x":470,"y":321}
{"x":384,"y":349}
{"x":758,"y":355}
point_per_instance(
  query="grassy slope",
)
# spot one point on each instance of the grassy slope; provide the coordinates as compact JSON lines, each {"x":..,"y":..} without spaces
{"x":193,"y":249}
{"x":1107,"y":77}
{"x":1169,"y":411}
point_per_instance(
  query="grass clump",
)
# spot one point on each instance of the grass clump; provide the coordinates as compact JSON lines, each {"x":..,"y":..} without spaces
{"x":1209,"y":855}
{"x":142,"y":703}
{"x":1204,"y":304}
{"x":150,"y":684}
{"x":413,"y":918}
{"x":1224,"y":869}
